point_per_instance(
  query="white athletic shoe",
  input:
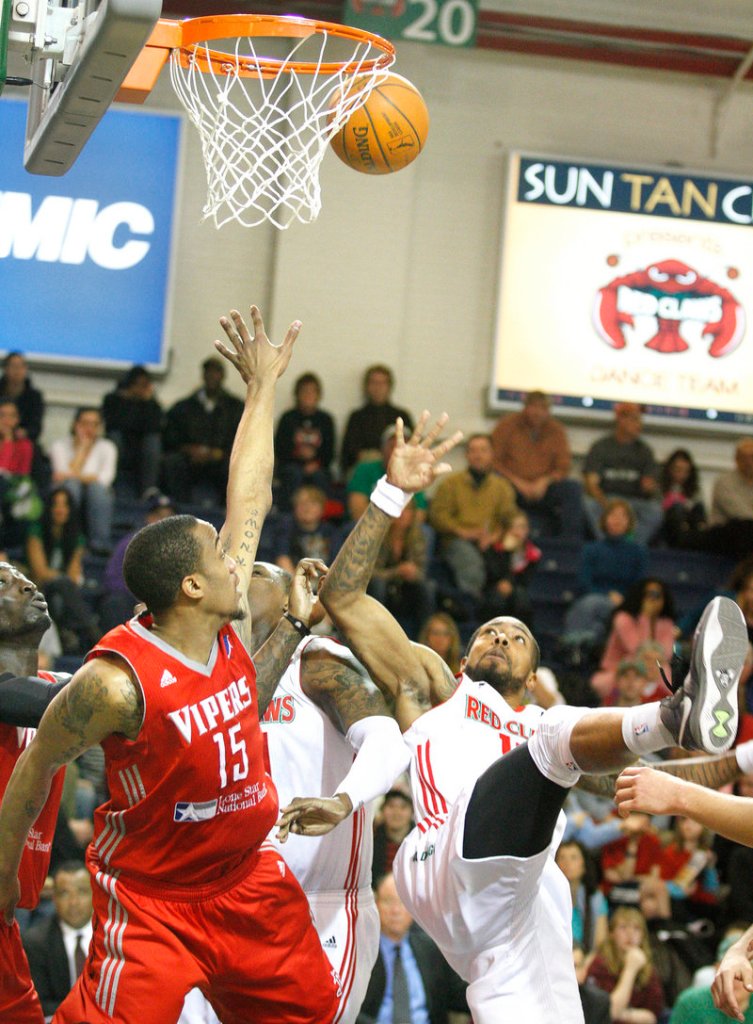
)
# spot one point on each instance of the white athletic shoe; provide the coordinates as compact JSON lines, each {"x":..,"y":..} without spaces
{"x":702,"y":713}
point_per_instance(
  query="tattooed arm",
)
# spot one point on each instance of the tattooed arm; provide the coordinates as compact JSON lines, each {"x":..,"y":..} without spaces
{"x":100,"y":700}
{"x":249,"y":489}
{"x":711,"y":772}
{"x":377,"y":639}
{"x":340,"y":686}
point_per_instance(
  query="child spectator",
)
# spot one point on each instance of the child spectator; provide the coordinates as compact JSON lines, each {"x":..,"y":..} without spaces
{"x":510,"y":564}
{"x":18,"y":496}
{"x":305,"y":533}
{"x":304,"y":442}
{"x":608,"y":568}
{"x":589,"y":905}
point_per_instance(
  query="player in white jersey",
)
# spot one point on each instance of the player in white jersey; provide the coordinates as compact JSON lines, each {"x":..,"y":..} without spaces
{"x":327,"y":730}
{"x":478,"y":872}
{"x":328,"y":726}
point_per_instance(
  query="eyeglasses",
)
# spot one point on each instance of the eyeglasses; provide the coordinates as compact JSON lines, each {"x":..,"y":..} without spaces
{"x":653,"y":592}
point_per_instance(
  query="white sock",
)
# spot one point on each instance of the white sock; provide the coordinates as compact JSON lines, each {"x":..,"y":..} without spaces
{"x":642,"y":730}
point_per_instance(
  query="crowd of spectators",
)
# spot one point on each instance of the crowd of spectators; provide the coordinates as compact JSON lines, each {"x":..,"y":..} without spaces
{"x":652,"y":899}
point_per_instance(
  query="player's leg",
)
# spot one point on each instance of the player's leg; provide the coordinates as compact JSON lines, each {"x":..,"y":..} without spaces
{"x":702,"y":715}
{"x":138,"y":967}
{"x":348,"y":927}
{"x":266,"y":958}
{"x":18,"y":999}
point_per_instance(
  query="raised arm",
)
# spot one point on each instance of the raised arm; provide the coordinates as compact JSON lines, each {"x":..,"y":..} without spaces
{"x":249,"y":489}
{"x":644,"y":789}
{"x":375,"y":636}
{"x":101,"y":699}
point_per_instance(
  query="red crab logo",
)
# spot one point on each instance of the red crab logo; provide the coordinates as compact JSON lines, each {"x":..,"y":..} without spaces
{"x":673,"y":294}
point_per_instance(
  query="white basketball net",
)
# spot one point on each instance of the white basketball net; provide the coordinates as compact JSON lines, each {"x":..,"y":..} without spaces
{"x":263,"y":139}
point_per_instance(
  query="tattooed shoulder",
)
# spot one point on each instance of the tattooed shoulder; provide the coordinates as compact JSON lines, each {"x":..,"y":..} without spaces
{"x":341,"y":688}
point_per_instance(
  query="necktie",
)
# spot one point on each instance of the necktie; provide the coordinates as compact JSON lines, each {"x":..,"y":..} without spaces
{"x":79,"y":955}
{"x":400,"y":995}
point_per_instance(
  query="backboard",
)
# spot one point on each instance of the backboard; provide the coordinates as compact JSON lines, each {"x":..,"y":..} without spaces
{"x":75,"y":56}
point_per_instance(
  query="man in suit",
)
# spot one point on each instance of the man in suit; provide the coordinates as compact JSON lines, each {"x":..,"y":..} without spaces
{"x":411,"y":982}
{"x":57,"y":947}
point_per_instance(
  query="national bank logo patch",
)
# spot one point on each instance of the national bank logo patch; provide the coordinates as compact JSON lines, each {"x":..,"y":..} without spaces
{"x":189,"y":811}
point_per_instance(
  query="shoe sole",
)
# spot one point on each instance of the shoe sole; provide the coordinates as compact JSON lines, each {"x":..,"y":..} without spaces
{"x":719,"y":652}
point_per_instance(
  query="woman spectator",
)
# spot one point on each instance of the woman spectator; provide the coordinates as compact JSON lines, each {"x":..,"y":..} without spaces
{"x":623,"y":967}
{"x":647,"y":613}
{"x":85,"y":463}
{"x":684,"y":512}
{"x":608,"y":568}
{"x":589,"y":905}
{"x":440,"y":632}
{"x":54,"y":550}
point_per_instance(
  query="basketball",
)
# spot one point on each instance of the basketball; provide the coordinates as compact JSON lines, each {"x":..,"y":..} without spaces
{"x":388,"y":132}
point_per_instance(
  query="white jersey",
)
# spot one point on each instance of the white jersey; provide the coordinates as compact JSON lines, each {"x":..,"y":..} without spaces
{"x":454,"y":743}
{"x":310,"y":757}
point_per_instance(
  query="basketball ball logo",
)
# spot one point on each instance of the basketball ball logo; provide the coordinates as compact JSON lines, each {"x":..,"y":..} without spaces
{"x":388,"y":132}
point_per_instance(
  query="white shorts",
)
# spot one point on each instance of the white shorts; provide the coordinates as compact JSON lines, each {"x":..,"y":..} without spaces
{"x":503,"y":923}
{"x":348,"y":926}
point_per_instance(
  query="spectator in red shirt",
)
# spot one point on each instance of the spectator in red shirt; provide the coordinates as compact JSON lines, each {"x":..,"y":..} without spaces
{"x":627,"y":860}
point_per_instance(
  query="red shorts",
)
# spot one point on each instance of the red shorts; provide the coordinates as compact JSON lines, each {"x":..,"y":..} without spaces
{"x":252,"y":951}
{"x":19,"y":1002}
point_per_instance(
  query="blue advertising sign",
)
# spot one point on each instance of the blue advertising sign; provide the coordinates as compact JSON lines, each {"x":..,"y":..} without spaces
{"x":85,"y":258}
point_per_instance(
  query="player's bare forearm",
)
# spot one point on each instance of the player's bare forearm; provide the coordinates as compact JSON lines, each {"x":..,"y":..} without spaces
{"x":351,"y":571}
{"x":272,"y":659}
{"x":249,"y":491}
{"x":730,"y":816}
{"x":25,"y":796}
{"x":711,"y":772}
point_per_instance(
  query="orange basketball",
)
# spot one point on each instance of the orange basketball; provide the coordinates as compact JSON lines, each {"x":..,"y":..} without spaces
{"x":388,"y":132}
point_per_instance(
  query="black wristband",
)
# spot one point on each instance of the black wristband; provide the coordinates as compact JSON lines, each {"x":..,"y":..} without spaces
{"x":302,"y":628}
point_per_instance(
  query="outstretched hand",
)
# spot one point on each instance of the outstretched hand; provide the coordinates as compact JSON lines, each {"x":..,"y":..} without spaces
{"x":313,"y":816}
{"x":255,"y":358}
{"x":734,"y":976}
{"x":414,"y":464}
{"x":648,"y":790}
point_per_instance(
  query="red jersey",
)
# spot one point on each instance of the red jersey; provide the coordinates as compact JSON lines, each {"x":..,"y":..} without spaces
{"x":35,"y":861}
{"x":190,"y":798}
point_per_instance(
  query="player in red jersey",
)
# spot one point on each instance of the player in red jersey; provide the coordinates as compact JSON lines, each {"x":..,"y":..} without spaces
{"x":23,"y":621}
{"x":186,"y":894}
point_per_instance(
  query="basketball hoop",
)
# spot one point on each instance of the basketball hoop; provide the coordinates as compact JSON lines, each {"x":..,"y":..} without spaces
{"x":264,"y":121}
